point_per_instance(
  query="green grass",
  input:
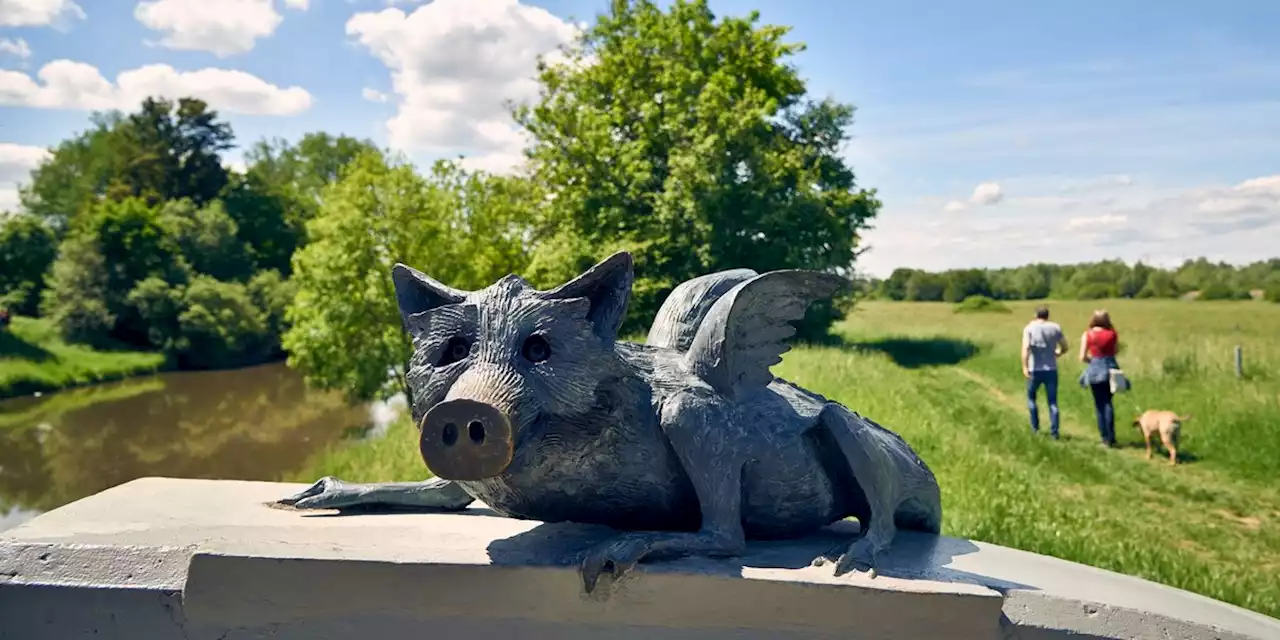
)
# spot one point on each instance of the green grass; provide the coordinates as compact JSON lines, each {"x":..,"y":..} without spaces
{"x":33,"y":358}
{"x":952,"y":386}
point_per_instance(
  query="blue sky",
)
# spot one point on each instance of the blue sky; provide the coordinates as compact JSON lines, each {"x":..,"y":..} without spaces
{"x":997,"y":133}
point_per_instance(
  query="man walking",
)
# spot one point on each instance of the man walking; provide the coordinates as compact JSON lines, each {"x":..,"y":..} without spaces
{"x":1042,"y":344}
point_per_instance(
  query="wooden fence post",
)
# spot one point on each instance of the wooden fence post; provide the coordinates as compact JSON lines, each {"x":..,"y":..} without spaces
{"x":1239,"y":361}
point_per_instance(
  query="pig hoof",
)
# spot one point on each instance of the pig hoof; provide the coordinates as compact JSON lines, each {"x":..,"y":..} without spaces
{"x":616,"y":557}
{"x":327,"y":493}
{"x":859,"y":555}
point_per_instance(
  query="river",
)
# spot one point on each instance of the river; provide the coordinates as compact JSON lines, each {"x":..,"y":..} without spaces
{"x":247,"y":424}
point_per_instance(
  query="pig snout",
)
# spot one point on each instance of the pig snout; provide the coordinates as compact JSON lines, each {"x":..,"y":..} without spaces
{"x":465,"y":439}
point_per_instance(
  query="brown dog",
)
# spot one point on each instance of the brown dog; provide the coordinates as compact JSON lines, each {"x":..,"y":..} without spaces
{"x":1168,"y":424}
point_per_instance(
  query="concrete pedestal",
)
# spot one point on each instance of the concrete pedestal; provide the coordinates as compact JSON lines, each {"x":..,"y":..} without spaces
{"x":194,"y":559}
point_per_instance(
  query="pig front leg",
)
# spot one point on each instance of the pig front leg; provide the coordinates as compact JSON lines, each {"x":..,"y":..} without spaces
{"x":435,"y":494}
{"x":710,"y":448}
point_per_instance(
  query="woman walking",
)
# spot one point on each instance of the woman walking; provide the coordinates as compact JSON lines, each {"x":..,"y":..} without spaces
{"x":1098,"y":348}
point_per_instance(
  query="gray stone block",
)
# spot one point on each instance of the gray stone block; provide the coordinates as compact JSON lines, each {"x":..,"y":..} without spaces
{"x":195,"y":559}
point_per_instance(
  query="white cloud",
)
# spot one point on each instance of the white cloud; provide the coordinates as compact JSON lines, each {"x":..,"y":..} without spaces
{"x":454,"y":64}
{"x":373,"y":95}
{"x":16,"y":163}
{"x":986,"y":193}
{"x":38,"y":13}
{"x":1106,"y":221}
{"x":1118,"y":180}
{"x":17,"y":48}
{"x":1116,"y":219}
{"x":221,"y":27}
{"x":66,"y":84}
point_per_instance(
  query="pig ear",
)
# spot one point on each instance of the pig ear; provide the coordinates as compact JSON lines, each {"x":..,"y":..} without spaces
{"x":608,"y":288}
{"x":416,"y":292}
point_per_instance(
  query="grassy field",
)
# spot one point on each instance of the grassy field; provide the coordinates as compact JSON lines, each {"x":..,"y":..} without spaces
{"x":33,"y":358}
{"x":951,"y":385}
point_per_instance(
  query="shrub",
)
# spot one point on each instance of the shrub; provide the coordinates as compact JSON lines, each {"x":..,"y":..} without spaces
{"x":1222,"y":291}
{"x":982,"y":304}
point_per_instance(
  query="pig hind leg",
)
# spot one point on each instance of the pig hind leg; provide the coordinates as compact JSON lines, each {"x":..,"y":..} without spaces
{"x":899,"y":490}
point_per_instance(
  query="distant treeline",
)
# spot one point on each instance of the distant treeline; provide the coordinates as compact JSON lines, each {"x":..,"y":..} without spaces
{"x":1199,"y":278}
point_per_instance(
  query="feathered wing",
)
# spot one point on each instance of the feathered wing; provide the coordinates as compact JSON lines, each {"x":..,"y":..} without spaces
{"x":682,"y":312}
{"x":745,"y":331}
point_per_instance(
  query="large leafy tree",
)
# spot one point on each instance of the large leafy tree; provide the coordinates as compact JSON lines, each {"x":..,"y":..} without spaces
{"x":174,"y":151}
{"x":77,"y":172}
{"x":281,"y":190}
{"x":165,"y":151}
{"x":690,"y":141}
{"x":462,"y":228}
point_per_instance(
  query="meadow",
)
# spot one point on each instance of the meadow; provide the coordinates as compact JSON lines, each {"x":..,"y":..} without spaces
{"x":33,"y":358}
{"x":950,"y":383}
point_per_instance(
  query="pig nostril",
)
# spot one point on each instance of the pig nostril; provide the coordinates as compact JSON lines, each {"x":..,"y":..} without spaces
{"x":476,"y":431}
{"x":450,"y":434}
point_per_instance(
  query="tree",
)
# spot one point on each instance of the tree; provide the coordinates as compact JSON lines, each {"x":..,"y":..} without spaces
{"x":964,"y":283}
{"x":895,"y":286}
{"x":164,"y":151}
{"x":207,"y":238}
{"x":76,"y":173}
{"x":1271,"y":287}
{"x":113,"y":247}
{"x":925,"y":287}
{"x":76,"y":296}
{"x":345,"y":328}
{"x":1032,"y":282}
{"x":1159,"y":284}
{"x":27,"y":248}
{"x":690,"y":142}
{"x":282,"y":189}
{"x":173,"y":151}
{"x":272,"y":294}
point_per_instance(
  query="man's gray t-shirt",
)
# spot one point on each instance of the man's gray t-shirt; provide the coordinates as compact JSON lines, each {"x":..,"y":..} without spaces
{"x":1042,"y":338}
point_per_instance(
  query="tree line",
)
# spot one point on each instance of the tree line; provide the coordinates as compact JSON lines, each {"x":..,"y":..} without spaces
{"x":1199,"y":278}
{"x":687,"y":139}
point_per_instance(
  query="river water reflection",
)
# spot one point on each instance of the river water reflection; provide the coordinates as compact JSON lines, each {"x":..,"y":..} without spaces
{"x":249,"y":424}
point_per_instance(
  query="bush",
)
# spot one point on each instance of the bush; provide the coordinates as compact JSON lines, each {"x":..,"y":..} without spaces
{"x":1222,"y":291}
{"x":113,"y":247}
{"x":982,"y":304}
{"x":221,"y":326}
{"x":27,"y":248}
{"x":1096,"y":291}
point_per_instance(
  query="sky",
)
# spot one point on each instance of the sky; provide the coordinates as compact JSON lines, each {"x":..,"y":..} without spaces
{"x":996,"y":133}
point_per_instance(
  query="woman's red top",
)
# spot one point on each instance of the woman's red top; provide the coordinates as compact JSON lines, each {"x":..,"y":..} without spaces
{"x":1102,"y":343}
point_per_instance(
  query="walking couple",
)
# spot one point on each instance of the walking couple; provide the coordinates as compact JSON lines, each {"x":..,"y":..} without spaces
{"x":1043,"y":343}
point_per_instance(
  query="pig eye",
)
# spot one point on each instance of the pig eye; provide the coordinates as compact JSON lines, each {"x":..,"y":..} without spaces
{"x":456,"y":349}
{"x":536,"y":349}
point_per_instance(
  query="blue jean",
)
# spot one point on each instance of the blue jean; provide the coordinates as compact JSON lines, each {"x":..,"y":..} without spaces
{"x":1049,"y":379}
{"x":1105,"y":411}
